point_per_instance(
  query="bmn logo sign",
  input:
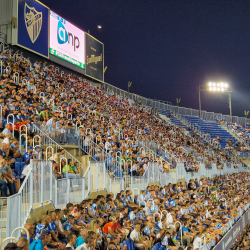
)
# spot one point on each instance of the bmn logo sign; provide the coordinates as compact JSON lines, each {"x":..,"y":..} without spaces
{"x":33,"y":21}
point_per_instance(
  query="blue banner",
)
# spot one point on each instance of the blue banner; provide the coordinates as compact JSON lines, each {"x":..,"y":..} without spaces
{"x":33,"y":26}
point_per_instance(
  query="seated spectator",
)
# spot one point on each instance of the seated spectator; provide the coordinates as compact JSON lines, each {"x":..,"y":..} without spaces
{"x":68,"y":171}
{"x":31,"y":231}
{"x":29,"y":154}
{"x":6,"y":130}
{"x":3,"y":185}
{"x":88,"y":244}
{"x":42,"y":241}
{"x":140,"y":242}
{"x":7,"y":174}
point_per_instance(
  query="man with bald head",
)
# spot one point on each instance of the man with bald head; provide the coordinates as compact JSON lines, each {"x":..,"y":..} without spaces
{"x":6,"y":130}
{"x":31,"y":231}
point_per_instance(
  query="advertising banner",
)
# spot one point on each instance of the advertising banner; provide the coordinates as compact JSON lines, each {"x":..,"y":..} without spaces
{"x":231,"y":236}
{"x":33,"y":26}
{"x":94,"y":58}
{"x":66,"y":41}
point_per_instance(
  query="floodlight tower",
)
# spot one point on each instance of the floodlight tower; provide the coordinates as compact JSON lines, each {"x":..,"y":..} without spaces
{"x":216,"y":87}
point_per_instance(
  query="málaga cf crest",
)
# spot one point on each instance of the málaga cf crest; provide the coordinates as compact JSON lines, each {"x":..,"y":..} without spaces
{"x":33,"y":22}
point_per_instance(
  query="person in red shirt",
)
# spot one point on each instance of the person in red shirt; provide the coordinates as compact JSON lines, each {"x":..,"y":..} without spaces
{"x":109,"y":228}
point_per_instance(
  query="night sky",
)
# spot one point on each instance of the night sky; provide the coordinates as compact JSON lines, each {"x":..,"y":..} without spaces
{"x":168,"y":48}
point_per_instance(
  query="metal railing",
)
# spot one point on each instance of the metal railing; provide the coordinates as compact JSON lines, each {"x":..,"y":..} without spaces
{"x":168,"y":107}
{"x":52,"y":148}
{"x":41,"y":186}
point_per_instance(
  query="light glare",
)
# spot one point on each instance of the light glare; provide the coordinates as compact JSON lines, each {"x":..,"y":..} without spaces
{"x":214,"y":88}
{"x":210,"y":84}
{"x":210,"y":88}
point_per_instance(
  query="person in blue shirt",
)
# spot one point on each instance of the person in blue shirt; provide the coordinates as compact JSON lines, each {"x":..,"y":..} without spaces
{"x":186,"y":235}
{"x":43,"y":240}
{"x":52,"y":226}
{"x":39,"y":228}
{"x":29,"y":154}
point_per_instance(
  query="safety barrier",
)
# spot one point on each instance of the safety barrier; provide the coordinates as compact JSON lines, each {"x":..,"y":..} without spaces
{"x":112,"y":90}
{"x":49,"y":143}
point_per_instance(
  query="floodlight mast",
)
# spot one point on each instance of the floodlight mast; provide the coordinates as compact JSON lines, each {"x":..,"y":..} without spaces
{"x":216,"y":87}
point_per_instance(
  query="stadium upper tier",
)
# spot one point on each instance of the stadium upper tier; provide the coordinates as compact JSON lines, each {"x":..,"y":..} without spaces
{"x":124,"y":133}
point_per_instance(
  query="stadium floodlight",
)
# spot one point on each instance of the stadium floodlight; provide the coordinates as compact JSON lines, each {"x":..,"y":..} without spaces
{"x":216,"y":87}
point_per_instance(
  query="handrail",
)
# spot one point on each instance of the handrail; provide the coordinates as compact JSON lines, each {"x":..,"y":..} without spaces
{"x":134,"y":189}
{"x":35,"y":127}
{"x":162,"y":213}
{"x":63,"y":158}
{"x":52,"y":151}
{"x":154,"y":216}
{"x":13,"y":124}
{"x":179,"y":229}
{"x":22,"y":228}
{"x":40,"y":139}
{"x":6,"y":239}
{"x":26,"y":136}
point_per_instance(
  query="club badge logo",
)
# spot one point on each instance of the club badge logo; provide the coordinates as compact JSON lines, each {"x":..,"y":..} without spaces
{"x":33,"y":21}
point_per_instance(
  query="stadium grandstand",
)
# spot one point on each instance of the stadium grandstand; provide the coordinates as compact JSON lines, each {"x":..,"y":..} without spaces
{"x":85,"y":165}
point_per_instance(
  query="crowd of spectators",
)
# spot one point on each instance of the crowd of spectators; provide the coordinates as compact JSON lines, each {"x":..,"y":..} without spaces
{"x":205,"y":208}
{"x":108,"y":127}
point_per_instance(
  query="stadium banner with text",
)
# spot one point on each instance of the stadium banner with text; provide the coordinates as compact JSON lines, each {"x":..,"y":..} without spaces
{"x":94,"y":58}
{"x":33,"y":26}
{"x":66,"y":41}
{"x":231,"y":236}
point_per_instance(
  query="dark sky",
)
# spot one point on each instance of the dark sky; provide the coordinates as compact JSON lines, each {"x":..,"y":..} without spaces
{"x":169,"y":47}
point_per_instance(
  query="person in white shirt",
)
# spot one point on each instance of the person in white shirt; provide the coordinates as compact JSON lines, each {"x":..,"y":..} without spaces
{"x":139,"y":242}
{"x":7,"y":139}
{"x":208,"y":215}
{"x":26,"y":169}
{"x":197,"y":241}
{"x":71,"y":238}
